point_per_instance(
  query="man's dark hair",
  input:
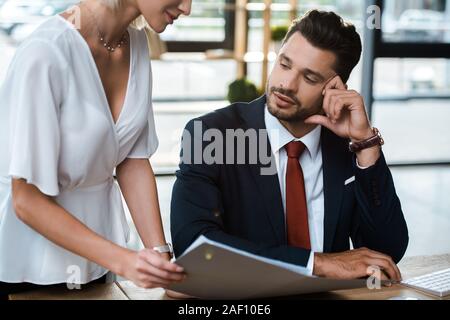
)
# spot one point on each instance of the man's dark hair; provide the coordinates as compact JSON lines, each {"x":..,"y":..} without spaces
{"x":328,"y":31}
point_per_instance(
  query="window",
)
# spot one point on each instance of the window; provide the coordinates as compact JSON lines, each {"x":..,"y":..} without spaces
{"x":414,"y":29}
{"x":413,"y":47}
{"x":411,"y":80}
{"x":397,"y":78}
{"x":350,"y":10}
{"x":418,"y":21}
{"x":210,"y":26}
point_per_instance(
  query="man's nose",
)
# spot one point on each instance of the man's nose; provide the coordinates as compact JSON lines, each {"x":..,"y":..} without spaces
{"x":290,"y":84}
{"x":185,"y":7}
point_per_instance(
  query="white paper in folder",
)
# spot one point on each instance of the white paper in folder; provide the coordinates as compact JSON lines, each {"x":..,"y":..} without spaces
{"x":218,"y":271}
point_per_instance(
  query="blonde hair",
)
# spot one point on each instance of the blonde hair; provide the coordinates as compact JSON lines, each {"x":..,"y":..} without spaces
{"x":138,"y":23}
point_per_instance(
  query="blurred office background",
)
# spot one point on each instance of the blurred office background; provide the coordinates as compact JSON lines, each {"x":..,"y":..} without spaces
{"x":404,"y":76}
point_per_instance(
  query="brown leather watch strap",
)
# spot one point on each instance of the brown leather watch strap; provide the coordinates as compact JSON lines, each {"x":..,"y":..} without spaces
{"x":375,"y":140}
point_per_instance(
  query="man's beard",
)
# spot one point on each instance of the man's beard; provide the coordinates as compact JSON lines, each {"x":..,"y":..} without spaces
{"x":297,"y":114}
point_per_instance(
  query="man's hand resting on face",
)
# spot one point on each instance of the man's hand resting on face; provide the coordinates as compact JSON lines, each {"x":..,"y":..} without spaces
{"x":346,"y":116}
{"x":355,"y":264}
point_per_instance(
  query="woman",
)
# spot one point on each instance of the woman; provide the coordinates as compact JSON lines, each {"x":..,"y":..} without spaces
{"x":75,"y":105}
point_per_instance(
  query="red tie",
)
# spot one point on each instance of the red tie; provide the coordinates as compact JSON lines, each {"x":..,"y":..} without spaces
{"x":296,"y":209}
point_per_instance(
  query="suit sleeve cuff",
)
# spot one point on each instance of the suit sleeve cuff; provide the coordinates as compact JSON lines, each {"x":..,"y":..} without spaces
{"x":361,"y":167}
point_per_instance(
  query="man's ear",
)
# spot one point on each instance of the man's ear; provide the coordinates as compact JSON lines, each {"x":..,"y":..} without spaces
{"x":346,"y":86}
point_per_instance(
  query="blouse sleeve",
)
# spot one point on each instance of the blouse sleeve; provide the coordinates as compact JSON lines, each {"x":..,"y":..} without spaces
{"x":35,"y":83}
{"x":147,"y":142}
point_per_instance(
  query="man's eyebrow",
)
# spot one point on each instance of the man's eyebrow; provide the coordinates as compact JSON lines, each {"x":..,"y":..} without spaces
{"x":306,"y":70}
{"x":314,"y":73}
{"x":285,"y":57}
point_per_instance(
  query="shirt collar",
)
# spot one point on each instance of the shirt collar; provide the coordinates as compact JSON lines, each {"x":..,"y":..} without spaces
{"x":279,"y":136}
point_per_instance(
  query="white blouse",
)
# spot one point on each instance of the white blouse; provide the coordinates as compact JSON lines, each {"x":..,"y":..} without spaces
{"x":57,"y":132}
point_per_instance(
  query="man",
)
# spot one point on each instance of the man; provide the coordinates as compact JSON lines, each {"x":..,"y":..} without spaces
{"x":321,"y":194}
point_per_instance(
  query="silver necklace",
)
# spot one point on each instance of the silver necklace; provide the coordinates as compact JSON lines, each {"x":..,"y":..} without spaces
{"x":106,"y":45}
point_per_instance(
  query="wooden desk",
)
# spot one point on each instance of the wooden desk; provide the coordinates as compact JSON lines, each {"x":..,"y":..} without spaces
{"x":125,"y":290}
{"x":108,"y":291}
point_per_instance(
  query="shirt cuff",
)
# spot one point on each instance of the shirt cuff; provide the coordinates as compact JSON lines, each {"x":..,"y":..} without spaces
{"x":310,"y":265}
{"x":360,"y":167}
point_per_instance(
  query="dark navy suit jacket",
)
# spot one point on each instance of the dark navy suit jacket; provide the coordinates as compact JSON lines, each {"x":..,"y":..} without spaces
{"x":234,"y":204}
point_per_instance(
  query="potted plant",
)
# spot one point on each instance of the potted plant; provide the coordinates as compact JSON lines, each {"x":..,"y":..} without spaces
{"x":277,"y":35}
{"x":242,"y":90}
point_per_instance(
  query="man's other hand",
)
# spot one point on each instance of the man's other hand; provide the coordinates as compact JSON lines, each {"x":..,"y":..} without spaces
{"x":355,"y":264}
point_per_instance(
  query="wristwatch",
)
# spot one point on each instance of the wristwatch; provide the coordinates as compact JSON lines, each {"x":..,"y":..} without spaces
{"x":375,"y":140}
{"x":167,"y":248}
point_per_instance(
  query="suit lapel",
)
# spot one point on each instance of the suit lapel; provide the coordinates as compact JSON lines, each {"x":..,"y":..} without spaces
{"x":268,"y":185}
{"x":334,"y":165}
{"x":269,"y":188}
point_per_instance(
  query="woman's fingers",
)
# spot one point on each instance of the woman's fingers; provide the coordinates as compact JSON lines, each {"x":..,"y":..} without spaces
{"x":149,"y":269}
{"x":153,"y":264}
{"x":178,"y":295}
{"x":164,"y":274}
{"x":152,"y":283}
{"x":157,"y":282}
{"x":159,"y":262}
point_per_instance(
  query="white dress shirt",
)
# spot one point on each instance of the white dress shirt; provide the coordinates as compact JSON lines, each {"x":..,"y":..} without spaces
{"x":311,"y":163}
